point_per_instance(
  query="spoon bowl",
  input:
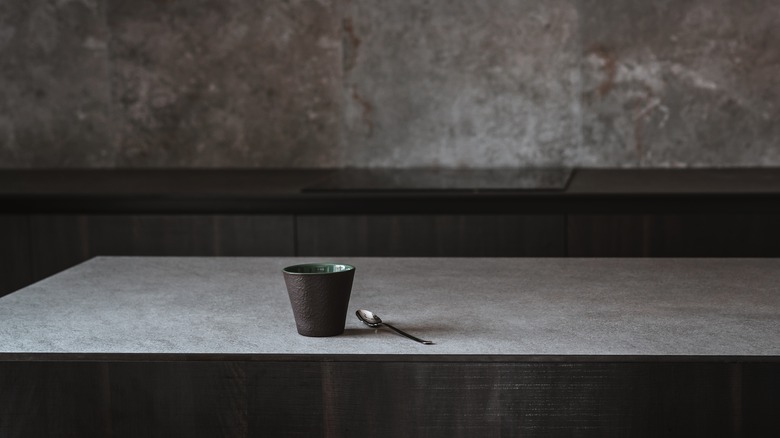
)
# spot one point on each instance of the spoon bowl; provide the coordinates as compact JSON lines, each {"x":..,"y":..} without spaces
{"x":371,"y":319}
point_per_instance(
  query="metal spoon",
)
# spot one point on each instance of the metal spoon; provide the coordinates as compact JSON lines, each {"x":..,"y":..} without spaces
{"x":373,"y":320}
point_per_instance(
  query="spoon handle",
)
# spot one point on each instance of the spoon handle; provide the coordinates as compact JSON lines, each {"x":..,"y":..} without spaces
{"x":401,"y":332}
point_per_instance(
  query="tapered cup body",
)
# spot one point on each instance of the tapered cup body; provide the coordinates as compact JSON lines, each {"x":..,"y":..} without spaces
{"x":319,"y":296}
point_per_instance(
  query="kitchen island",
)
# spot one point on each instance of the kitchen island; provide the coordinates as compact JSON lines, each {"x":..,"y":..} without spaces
{"x":188,"y":346}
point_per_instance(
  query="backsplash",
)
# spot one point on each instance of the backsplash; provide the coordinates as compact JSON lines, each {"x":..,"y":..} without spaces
{"x":370,"y":83}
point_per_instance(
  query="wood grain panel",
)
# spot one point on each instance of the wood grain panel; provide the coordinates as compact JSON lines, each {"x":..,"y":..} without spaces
{"x":61,"y":241}
{"x":760,"y":397}
{"x":725,"y":235}
{"x":189,"y":399}
{"x":431,"y":235}
{"x":324,"y":398}
{"x":507,"y":399}
{"x":268,"y":235}
{"x":151,"y":235}
{"x":15,"y":269}
{"x":43,"y":399}
{"x":57,"y":242}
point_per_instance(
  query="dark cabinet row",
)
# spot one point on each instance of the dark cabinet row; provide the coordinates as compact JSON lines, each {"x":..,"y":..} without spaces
{"x":46,"y":244}
{"x":36,"y":246}
{"x":431,"y":235}
{"x":41,"y":245}
{"x":408,"y":398}
{"x":673,"y":235}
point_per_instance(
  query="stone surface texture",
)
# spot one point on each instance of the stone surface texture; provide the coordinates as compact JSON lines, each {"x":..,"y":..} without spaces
{"x":54,"y":93}
{"x":460,"y":83}
{"x":483,"y":306}
{"x":676,"y":84}
{"x":370,"y":83}
{"x":233,"y":83}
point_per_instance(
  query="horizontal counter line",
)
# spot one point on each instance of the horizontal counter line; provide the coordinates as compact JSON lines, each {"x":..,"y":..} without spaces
{"x":433,"y":358}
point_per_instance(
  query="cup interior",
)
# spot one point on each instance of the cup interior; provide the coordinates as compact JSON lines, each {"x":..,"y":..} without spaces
{"x":318,"y":268}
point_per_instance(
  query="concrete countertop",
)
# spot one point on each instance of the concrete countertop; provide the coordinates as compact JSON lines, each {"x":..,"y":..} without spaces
{"x":528,"y":307}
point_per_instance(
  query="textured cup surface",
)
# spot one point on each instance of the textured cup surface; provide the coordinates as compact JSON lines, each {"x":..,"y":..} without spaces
{"x":319,"y":295}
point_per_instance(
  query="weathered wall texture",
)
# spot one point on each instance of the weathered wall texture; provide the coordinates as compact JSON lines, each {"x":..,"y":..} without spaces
{"x":372,"y":83}
{"x":676,"y":83}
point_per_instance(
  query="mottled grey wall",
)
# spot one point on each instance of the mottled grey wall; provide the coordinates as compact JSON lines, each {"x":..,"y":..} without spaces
{"x":677,"y":83}
{"x":332,"y":83}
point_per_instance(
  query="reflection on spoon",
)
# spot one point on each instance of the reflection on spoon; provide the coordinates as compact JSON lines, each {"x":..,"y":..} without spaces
{"x":373,"y":320}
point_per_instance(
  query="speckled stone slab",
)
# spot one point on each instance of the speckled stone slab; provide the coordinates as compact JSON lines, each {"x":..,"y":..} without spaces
{"x":461,"y":84}
{"x":225,"y":84}
{"x":680,"y":84}
{"x":476,"y":306}
{"x":55,"y":99}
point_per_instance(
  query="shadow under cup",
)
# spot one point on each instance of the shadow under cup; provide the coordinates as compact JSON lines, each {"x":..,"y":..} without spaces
{"x":319,"y":295}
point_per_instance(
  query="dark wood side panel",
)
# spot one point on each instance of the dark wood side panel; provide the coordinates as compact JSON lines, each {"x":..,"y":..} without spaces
{"x":674,"y":235}
{"x":61,"y":241}
{"x":57,"y":242}
{"x":54,"y":399}
{"x":269,"y":235}
{"x":151,"y":235}
{"x":213,"y":398}
{"x":431,"y":235}
{"x":15,"y":270}
{"x":760,"y":391}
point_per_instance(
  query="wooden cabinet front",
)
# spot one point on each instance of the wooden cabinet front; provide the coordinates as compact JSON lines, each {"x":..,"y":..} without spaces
{"x":61,"y":241}
{"x":674,"y":235}
{"x":416,"y":398}
{"x":431,"y":235}
{"x":14,"y":253}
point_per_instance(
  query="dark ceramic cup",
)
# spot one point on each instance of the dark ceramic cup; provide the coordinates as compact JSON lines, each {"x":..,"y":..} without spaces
{"x":319,"y":295}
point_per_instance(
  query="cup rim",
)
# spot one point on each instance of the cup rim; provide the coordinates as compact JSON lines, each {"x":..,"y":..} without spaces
{"x":348,"y":268}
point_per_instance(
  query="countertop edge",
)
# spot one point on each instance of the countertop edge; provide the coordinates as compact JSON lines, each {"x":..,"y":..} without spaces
{"x":433,"y":358}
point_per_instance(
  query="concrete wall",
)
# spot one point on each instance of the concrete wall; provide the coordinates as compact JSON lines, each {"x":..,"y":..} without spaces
{"x":376,"y":83}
